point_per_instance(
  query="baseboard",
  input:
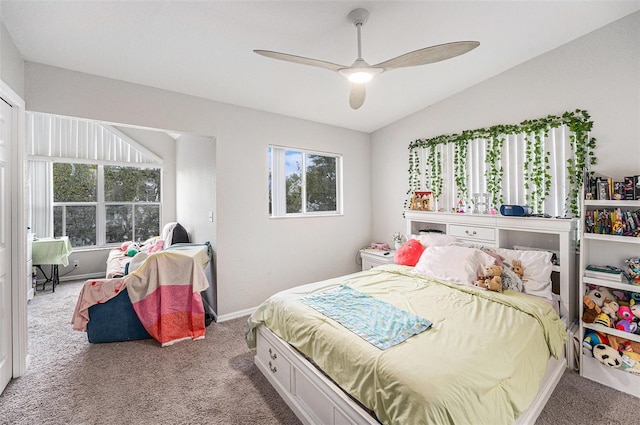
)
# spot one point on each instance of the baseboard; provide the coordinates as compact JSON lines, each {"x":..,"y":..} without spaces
{"x":85,"y":276}
{"x":235,"y":315}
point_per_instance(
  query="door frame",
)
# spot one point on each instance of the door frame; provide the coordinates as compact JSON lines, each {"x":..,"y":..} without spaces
{"x":18,"y":240}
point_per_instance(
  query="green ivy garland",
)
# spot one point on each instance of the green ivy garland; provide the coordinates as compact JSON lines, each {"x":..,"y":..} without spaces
{"x":536,"y":173}
{"x":459,"y":164}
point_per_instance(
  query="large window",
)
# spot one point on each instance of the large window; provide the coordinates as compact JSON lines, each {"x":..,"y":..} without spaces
{"x":103,"y":204}
{"x":304,"y":182}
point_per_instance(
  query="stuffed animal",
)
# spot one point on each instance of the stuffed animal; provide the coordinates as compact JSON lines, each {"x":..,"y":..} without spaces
{"x":132,"y":249}
{"x":624,"y":313}
{"x":516,"y":266}
{"x":623,"y":344}
{"x":591,"y":310}
{"x":635,"y":309}
{"x":490,"y":278}
{"x":592,"y":338}
{"x":607,"y":355}
{"x":604,"y":320}
{"x":157,"y":246}
{"x":610,"y":308}
{"x":599,"y":295}
{"x":626,"y":326}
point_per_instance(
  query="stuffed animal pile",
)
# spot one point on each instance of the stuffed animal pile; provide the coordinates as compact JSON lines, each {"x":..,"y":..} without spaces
{"x":618,"y":310}
{"x":490,"y":278}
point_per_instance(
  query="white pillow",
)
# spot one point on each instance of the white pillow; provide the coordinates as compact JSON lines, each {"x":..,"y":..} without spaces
{"x":453,"y":263}
{"x":434,"y":239}
{"x":537,"y":268}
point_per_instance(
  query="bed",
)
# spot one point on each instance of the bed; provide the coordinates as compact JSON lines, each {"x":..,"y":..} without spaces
{"x":130,"y":307}
{"x":482,"y":357}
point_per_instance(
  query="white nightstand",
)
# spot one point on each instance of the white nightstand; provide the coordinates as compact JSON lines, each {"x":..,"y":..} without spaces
{"x":374,"y":257}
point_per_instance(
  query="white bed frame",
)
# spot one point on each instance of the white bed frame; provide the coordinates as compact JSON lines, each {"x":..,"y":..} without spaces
{"x":316,"y":400}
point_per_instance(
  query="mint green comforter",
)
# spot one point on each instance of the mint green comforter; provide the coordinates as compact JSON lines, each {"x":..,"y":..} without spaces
{"x":480,"y":363}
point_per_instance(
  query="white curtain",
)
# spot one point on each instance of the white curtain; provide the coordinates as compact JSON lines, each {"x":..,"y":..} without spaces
{"x":40,"y":198}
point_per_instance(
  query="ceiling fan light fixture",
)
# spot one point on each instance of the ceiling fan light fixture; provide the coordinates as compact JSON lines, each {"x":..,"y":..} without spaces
{"x":360,"y":75}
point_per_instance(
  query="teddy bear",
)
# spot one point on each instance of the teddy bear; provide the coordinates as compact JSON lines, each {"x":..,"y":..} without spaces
{"x":591,"y":310}
{"x":490,"y":278}
{"x":516,"y":266}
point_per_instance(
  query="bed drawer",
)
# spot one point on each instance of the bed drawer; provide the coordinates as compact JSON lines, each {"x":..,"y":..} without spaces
{"x":274,"y":361}
{"x":483,"y":234}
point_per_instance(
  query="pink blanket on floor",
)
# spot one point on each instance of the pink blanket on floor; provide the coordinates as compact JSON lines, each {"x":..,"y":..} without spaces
{"x":165,"y":294}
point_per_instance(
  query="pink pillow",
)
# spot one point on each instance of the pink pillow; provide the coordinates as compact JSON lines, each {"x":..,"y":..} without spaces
{"x":409,"y":253}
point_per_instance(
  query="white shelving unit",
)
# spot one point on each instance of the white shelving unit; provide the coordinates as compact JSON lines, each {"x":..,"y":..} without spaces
{"x":599,"y":249}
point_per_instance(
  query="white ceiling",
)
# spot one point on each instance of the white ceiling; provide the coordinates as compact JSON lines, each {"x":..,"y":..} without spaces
{"x":204,"y":48}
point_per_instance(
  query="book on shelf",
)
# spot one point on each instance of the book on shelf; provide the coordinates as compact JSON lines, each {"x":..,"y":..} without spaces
{"x":605,"y":272}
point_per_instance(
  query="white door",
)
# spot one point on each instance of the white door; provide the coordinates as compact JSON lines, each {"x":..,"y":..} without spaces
{"x":6,"y":345}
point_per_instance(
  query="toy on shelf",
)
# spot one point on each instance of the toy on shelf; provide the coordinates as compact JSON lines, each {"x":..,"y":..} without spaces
{"x":618,"y":309}
{"x":607,"y":355}
{"x":591,"y":310}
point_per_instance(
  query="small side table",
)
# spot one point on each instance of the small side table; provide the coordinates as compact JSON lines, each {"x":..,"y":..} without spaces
{"x":52,"y":251}
{"x":374,"y":257}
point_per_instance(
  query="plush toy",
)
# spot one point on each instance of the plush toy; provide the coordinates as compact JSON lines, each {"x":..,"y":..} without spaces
{"x":604,"y":320}
{"x":593,"y":338}
{"x":516,"y":266}
{"x":626,"y":326}
{"x":156,"y":247}
{"x":490,"y":278}
{"x":624,"y":313}
{"x":607,"y":355}
{"x":132,"y":249}
{"x":634,"y":306}
{"x":125,"y":245}
{"x":610,"y":308}
{"x":599,"y":295}
{"x":623,"y":344}
{"x":591,"y":310}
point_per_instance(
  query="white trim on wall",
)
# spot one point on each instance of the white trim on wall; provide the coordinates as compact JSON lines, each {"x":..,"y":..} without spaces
{"x":18,"y":234}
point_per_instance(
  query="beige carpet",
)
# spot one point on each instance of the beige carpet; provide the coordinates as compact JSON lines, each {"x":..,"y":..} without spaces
{"x":212,"y":381}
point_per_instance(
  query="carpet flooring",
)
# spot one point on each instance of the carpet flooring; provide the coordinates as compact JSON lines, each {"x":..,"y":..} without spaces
{"x":212,"y":381}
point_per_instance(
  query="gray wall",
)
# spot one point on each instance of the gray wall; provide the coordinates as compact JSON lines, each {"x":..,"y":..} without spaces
{"x":599,"y":72}
{"x":11,"y":63}
{"x":256,"y":256}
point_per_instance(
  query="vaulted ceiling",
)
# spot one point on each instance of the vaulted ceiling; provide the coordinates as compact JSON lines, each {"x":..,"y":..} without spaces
{"x":205,"y":48}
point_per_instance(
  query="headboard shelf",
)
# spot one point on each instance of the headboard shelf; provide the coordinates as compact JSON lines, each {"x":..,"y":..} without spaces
{"x":552,"y":234}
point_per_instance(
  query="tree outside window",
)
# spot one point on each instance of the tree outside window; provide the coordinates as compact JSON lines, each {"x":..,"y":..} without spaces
{"x":303,"y":183}
{"x":129,"y":204}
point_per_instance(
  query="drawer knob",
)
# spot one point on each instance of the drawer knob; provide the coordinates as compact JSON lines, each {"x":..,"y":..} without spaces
{"x":470,"y":233}
{"x":272,"y":354}
{"x":272,"y":368}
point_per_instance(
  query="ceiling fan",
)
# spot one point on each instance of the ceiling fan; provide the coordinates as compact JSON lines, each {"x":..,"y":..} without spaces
{"x":360,"y":72}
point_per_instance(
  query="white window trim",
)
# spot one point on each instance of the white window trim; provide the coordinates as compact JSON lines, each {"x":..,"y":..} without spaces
{"x":278,"y":183}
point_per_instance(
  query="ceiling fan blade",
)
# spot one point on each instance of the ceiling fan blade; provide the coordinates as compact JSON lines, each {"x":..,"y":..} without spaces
{"x":431,"y":54}
{"x":357,"y":95}
{"x":300,"y":59}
